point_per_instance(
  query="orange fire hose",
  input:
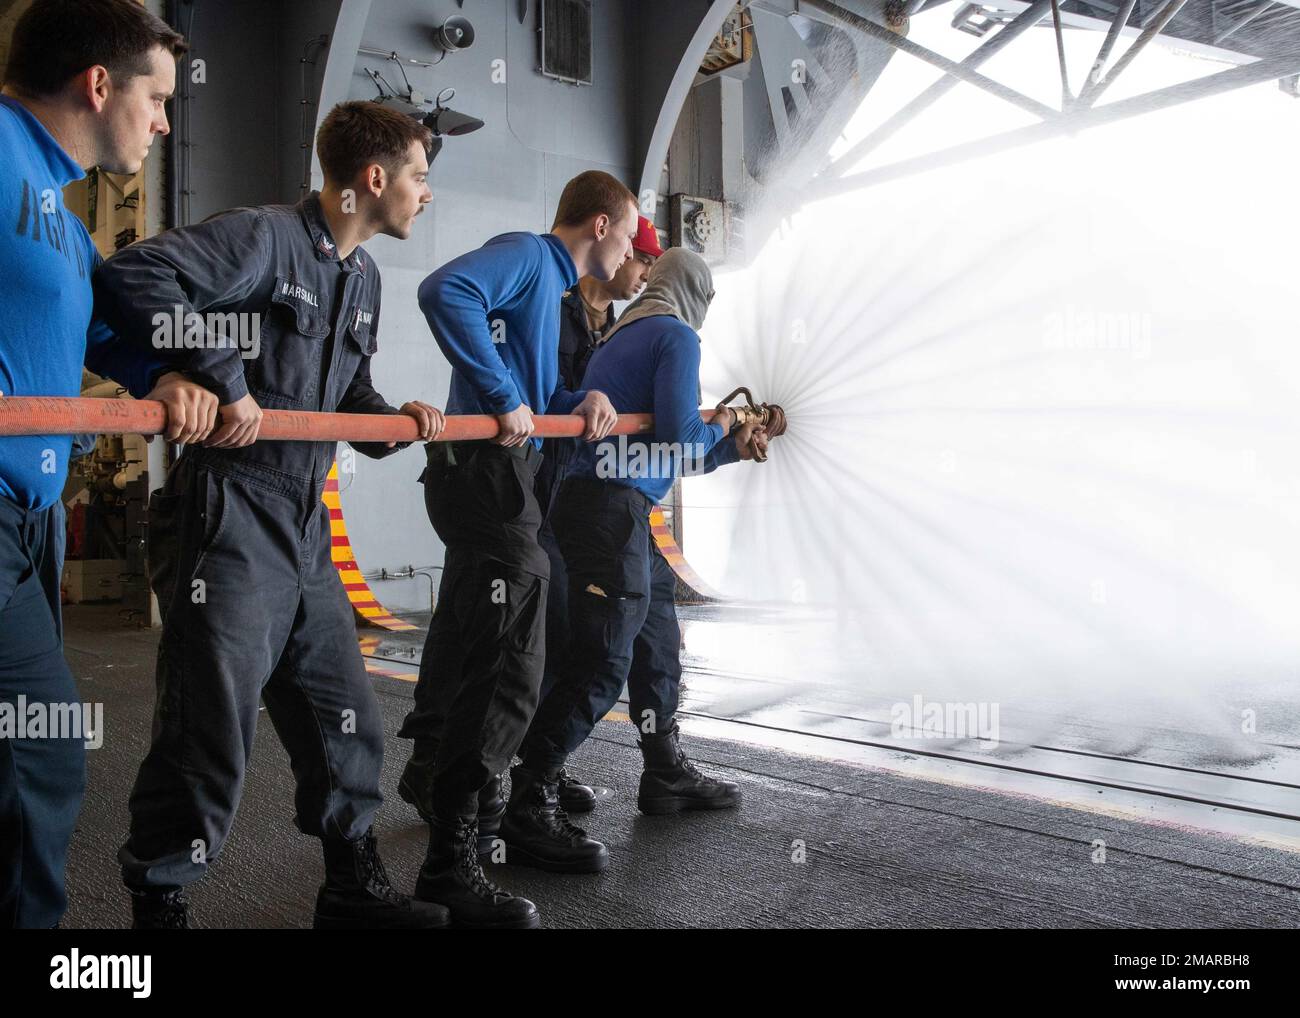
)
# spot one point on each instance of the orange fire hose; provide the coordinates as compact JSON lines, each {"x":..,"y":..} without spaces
{"x":53,"y":415}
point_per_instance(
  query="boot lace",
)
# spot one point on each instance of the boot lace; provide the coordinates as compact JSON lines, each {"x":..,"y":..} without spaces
{"x":561,"y":826}
{"x":374,"y":874}
{"x":471,"y":868}
{"x":173,"y":913}
{"x":686,"y":766}
{"x":556,"y":819}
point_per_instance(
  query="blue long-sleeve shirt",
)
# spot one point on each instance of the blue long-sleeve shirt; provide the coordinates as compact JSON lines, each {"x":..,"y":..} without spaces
{"x":652,"y":366}
{"x":493,"y":313}
{"x":48,"y":328}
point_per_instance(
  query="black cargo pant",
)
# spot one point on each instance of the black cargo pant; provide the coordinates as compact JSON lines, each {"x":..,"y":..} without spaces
{"x":481,"y":670}
{"x":252,"y":609}
{"x":624,"y":630}
{"x":557,"y":454}
{"x":557,"y":610}
{"x":42,"y":778}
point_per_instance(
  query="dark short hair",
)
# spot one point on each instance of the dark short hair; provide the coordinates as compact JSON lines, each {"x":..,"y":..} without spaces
{"x":55,"y":40}
{"x":359,"y":132}
{"x":591,"y":194}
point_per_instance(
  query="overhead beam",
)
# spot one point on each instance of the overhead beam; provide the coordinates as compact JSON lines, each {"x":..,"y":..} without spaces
{"x":1067,"y":97}
{"x":1268,"y":69}
{"x":1112,"y":36}
{"x":1093,"y":89}
{"x":1237,"y":26}
{"x":1024,"y":21}
{"x":878,"y":32}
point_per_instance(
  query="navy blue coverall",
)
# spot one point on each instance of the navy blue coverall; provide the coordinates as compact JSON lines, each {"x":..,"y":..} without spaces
{"x":239,"y":540}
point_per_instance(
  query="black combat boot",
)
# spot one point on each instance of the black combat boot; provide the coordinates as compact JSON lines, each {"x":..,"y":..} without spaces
{"x":537,"y":831}
{"x":575,"y":797}
{"x":159,"y":910}
{"x":356,"y":894}
{"x":452,"y":877}
{"x":670,"y":783}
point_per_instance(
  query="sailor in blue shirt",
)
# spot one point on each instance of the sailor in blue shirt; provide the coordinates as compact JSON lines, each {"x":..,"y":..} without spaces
{"x":72,"y":99}
{"x":494,"y":314}
{"x":623,"y":621}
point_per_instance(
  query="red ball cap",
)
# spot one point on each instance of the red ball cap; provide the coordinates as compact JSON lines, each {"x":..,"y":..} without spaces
{"x":647,"y":240}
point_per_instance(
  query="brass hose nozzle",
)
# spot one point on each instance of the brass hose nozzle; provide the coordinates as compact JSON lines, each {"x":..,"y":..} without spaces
{"x":768,"y":415}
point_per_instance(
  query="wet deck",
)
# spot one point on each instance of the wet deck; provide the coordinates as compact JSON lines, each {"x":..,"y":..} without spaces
{"x":833,"y":832}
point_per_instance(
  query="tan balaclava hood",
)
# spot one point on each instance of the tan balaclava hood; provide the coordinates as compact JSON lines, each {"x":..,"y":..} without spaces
{"x":680,"y":284}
